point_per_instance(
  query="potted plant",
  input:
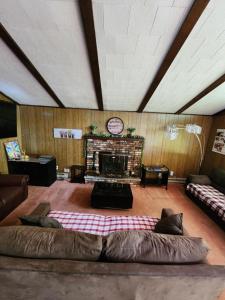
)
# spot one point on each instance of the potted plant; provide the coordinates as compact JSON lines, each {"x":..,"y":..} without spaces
{"x":130,"y":131}
{"x":92,"y":128}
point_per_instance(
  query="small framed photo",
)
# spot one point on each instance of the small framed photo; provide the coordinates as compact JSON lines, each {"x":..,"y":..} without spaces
{"x":65,"y":133}
{"x":219,"y":142}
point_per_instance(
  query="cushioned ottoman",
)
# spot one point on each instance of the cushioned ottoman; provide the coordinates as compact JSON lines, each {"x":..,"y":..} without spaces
{"x":111,"y":195}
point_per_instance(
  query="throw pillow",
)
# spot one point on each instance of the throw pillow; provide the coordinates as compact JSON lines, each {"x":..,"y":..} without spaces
{"x":38,"y":242}
{"x":170,"y":225}
{"x":41,"y":221}
{"x":166,"y":212}
{"x":149,"y":247}
{"x":200,"y":179}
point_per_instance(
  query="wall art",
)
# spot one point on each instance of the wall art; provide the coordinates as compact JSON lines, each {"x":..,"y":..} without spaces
{"x":65,"y":133}
{"x":219,"y":142}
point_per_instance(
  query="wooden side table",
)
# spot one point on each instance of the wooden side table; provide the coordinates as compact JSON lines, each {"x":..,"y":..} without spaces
{"x":155,"y":175}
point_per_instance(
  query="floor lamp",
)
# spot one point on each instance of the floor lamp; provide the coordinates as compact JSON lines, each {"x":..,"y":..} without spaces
{"x":172,"y":132}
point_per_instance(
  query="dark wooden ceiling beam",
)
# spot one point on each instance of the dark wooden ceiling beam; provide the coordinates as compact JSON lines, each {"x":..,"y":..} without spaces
{"x":13,"y":46}
{"x":187,"y":26}
{"x":86,"y":11}
{"x":11,"y":99}
{"x":206,"y":91}
{"x":220,"y":113}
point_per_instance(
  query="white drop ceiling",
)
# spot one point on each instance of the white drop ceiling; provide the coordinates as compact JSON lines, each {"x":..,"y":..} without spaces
{"x":211,"y":103}
{"x":17,"y":83}
{"x":199,"y":63}
{"x":132,"y":36}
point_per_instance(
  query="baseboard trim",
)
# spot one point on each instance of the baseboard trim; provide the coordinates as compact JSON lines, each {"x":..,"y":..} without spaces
{"x":177,"y":180}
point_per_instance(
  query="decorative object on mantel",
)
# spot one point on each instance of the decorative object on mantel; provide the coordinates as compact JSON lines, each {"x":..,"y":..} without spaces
{"x":65,"y":133}
{"x":219,"y":142}
{"x":92,"y":128}
{"x":115,"y":125}
{"x":172,"y":134}
{"x":130,"y":131}
{"x":112,"y":136}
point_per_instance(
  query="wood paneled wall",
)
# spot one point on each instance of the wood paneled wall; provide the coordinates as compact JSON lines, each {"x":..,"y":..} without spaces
{"x":213,"y":159}
{"x":182,"y":155}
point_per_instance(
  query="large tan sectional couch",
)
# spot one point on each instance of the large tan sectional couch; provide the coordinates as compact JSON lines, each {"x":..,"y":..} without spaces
{"x":45,"y":278}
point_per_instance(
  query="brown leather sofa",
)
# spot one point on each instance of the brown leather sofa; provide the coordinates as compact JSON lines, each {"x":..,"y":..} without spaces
{"x":13,"y":190}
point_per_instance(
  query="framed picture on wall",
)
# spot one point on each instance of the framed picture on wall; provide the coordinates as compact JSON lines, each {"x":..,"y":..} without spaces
{"x":65,"y":133}
{"x":219,"y":142}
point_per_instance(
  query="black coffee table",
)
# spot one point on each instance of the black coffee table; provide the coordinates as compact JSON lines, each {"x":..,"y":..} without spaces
{"x":111,"y":195}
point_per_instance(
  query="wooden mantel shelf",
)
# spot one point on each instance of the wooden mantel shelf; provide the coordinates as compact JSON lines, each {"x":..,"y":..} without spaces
{"x":96,"y":137}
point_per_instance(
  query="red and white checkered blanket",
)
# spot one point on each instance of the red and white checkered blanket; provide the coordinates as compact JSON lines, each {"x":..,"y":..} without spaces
{"x":210,"y":196}
{"x":102,"y":225}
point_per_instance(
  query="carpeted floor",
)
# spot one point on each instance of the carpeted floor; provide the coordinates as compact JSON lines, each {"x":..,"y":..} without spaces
{"x":147,"y":201}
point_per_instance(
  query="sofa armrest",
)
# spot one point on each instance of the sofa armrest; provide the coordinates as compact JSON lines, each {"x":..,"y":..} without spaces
{"x":13,"y":180}
{"x":42,"y":209}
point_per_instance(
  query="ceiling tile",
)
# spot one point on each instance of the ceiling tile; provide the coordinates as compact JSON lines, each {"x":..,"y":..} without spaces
{"x":134,"y":41}
{"x":116,"y":22}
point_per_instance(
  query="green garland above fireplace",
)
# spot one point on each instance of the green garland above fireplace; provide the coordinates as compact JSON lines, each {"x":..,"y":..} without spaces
{"x":112,"y":136}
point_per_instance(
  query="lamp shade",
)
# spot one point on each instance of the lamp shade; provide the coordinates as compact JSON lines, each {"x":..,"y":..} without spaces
{"x":193,"y":128}
{"x":172,"y":131}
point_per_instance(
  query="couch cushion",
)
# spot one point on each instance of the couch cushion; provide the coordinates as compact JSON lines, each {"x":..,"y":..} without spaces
{"x":38,"y":242}
{"x":200,"y":179}
{"x":171,"y":224}
{"x":149,"y":247}
{"x":41,"y":221}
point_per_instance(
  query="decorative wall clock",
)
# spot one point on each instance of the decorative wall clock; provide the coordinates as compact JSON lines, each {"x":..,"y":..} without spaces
{"x":115,"y":125}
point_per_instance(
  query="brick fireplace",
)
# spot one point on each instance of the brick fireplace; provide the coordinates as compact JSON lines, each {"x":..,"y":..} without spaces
{"x":113,"y":158}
